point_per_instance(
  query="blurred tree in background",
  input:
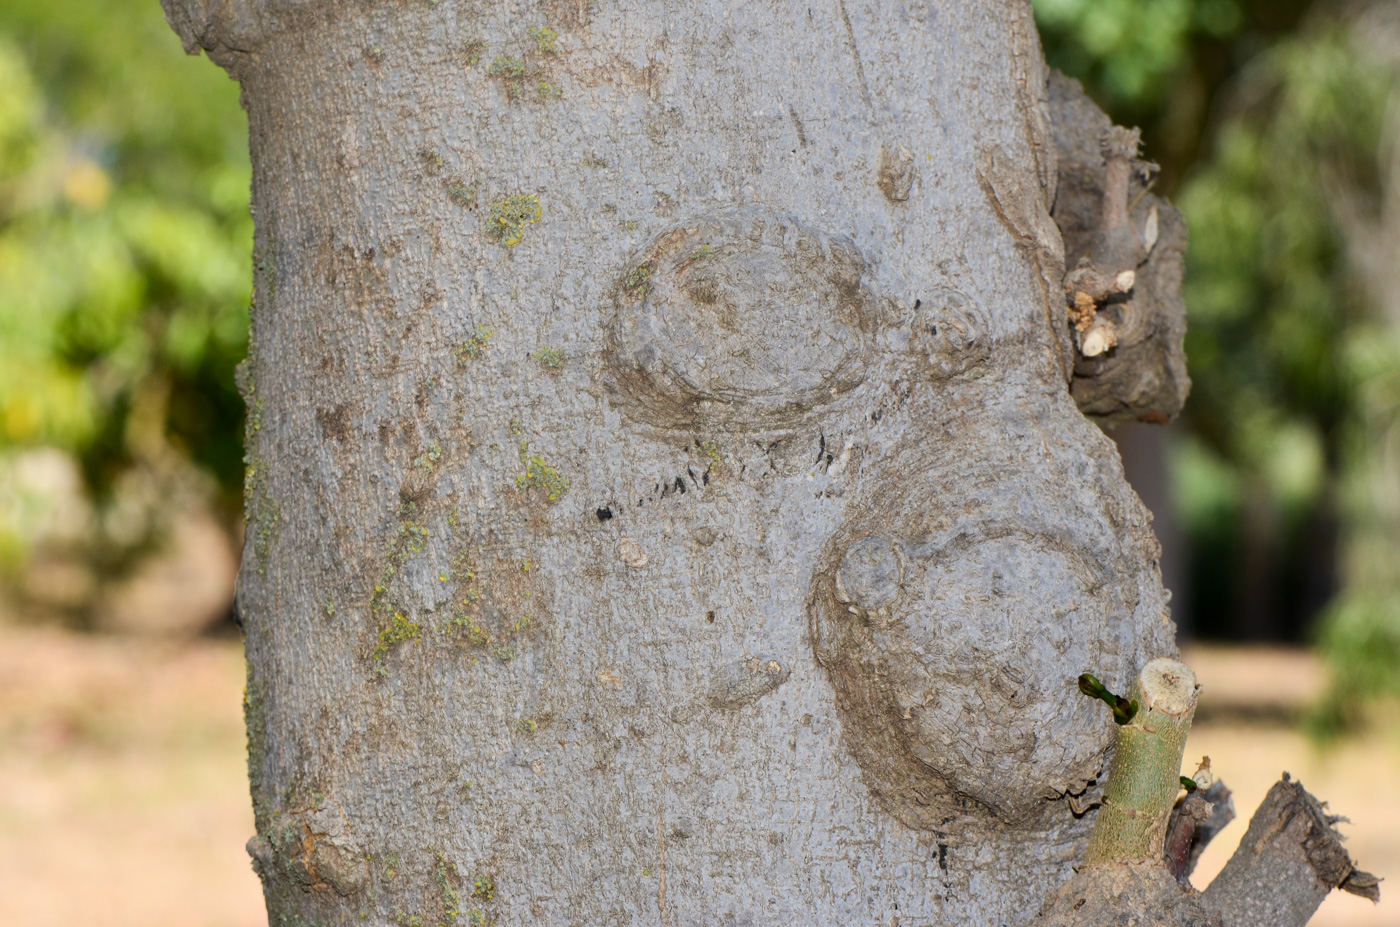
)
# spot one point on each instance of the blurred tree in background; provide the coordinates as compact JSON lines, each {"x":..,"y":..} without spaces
{"x":1278,"y":129}
{"x":124,"y":284}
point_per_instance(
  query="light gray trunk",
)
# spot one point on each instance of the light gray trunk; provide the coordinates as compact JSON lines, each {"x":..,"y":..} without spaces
{"x":541,"y":591}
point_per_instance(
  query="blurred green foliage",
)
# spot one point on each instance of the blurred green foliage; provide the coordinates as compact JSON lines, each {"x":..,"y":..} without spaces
{"x":1130,"y":50}
{"x":1269,"y":114}
{"x":1276,"y":317}
{"x":125,"y":241}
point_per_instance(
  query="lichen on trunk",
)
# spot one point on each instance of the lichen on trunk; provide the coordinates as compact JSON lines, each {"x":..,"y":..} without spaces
{"x":676,"y":509}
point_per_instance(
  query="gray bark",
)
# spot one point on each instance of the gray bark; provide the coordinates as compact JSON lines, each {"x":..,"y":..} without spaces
{"x":722,"y":551}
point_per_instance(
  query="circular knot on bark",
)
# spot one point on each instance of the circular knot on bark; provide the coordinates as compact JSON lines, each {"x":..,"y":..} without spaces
{"x":744,"y":317}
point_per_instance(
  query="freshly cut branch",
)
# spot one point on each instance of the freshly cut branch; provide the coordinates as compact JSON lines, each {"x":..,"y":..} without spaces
{"x":1125,"y":873}
{"x":1288,"y":861}
{"x":1142,"y":787}
{"x":1141,"y":853}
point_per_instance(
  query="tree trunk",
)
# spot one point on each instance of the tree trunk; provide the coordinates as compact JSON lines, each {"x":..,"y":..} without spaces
{"x":666,"y":505}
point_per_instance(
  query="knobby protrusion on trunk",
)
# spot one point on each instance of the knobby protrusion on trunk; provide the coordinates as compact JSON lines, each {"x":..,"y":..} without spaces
{"x":1145,"y":842}
{"x":1124,"y":250}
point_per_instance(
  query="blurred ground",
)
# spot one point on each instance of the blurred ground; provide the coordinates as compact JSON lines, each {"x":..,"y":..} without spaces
{"x":123,"y":789}
{"x":123,"y":801}
{"x":1250,"y":701}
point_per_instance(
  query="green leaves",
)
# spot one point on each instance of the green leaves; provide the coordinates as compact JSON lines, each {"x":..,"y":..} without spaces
{"x":124,"y":239}
{"x":1123,"y":709}
{"x":1132,"y":47}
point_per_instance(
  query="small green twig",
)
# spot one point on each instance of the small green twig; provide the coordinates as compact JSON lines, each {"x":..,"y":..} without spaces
{"x":1123,"y":709}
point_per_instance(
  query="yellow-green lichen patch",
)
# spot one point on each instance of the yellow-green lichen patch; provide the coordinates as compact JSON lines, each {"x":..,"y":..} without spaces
{"x":540,"y":475}
{"x":547,"y":90}
{"x":636,"y":282}
{"x":255,"y":723}
{"x":461,"y":193}
{"x":427,"y":461}
{"x":505,"y":66}
{"x":460,"y":619}
{"x":510,"y":216}
{"x":264,"y":517}
{"x":465,"y":615}
{"x":550,"y":357}
{"x":451,"y":898}
{"x":472,"y":52}
{"x":400,"y":629}
{"x":710,"y":448}
{"x":432,"y":160}
{"x":260,"y":512}
{"x":484,"y":888}
{"x":467,"y":350}
{"x":255,"y":411}
{"x":412,"y":538}
{"x":494,"y":605}
{"x":391,"y":618}
{"x":546,"y":39}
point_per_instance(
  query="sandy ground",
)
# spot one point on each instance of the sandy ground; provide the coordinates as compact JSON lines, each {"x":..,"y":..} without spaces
{"x":1358,"y":777}
{"x":123,"y":801}
{"x":123,"y":789}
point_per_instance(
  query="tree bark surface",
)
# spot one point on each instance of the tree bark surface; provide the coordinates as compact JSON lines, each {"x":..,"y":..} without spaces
{"x":666,"y":505}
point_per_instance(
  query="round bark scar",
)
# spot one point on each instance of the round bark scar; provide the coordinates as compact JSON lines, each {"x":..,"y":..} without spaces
{"x":952,"y":333}
{"x":631,"y":553}
{"x":1168,"y":686}
{"x":743,"y":681}
{"x":930,"y":645}
{"x":745,"y":315}
{"x":869,"y":574}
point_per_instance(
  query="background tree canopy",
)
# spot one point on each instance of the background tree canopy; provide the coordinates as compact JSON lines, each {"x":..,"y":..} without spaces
{"x":125,"y":279}
{"x":1277,"y":129}
{"x":124,"y":267}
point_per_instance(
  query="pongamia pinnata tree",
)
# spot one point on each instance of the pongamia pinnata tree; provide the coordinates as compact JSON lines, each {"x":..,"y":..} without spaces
{"x":669,"y":499}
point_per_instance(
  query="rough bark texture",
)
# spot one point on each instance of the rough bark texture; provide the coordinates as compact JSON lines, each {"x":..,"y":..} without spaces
{"x":665,"y":501}
{"x":1143,"y":378}
{"x":1130,"y":894}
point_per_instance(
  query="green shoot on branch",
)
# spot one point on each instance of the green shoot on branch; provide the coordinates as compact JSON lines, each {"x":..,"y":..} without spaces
{"x":1123,"y":709}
